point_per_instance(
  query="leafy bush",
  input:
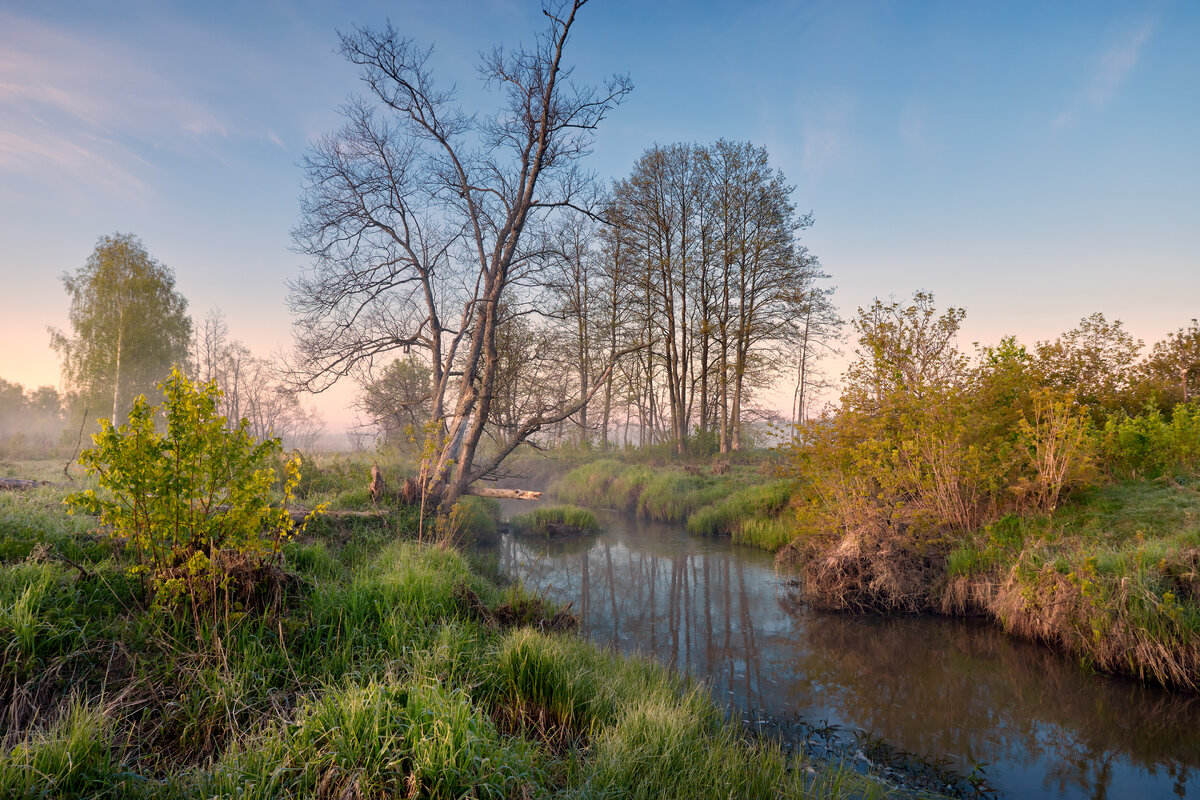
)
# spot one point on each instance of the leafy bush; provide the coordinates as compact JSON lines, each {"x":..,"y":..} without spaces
{"x":1151,"y":446}
{"x":182,"y":497}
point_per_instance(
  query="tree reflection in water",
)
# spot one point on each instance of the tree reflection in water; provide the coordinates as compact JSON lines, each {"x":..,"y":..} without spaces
{"x":929,"y":686}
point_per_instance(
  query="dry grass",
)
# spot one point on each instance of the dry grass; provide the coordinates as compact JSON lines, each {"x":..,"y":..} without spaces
{"x":870,"y":570}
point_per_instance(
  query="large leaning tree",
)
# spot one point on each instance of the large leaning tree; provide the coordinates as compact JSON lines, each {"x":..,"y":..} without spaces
{"x":129,"y":326}
{"x":425,"y":222}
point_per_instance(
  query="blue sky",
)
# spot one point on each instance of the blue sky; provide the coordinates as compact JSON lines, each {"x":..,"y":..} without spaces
{"x":1032,"y":162}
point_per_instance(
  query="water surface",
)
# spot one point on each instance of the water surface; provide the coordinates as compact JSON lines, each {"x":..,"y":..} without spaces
{"x":930,"y":686}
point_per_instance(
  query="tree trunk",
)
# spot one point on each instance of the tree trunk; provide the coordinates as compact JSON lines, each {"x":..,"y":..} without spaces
{"x":117,"y":374}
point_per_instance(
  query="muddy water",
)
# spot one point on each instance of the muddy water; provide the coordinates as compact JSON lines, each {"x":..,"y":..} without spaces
{"x":932,"y":687}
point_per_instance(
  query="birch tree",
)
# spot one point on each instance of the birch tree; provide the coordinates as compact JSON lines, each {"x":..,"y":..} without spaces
{"x":129,"y":326}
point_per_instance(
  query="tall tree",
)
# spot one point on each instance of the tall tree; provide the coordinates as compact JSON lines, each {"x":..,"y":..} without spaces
{"x":1172,"y":370}
{"x":129,"y":325}
{"x":905,"y":347}
{"x":1096,"y":361}
{"x":722,"y":276}
{"x":422,"y":221}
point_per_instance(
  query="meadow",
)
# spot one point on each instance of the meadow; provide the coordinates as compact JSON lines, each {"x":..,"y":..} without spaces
{"x":365,"y":663}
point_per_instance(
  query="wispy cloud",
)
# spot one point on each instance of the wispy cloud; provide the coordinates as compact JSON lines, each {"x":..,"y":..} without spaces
{"x":86,"y":108}
{"x":93,"y":163}
{"x":825,"y":132}
{"x":1110,"y":71}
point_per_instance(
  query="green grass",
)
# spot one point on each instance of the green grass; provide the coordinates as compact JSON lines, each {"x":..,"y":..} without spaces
{"x":740,"y":504}
{"x":591,"y":484}
{"x":769,"y":533}
{"x":673,"y":496}
{"x":476,"y":517}
{"x":366,"y":673}
{"x":556,"y":519}
{"x":1113,"y":576}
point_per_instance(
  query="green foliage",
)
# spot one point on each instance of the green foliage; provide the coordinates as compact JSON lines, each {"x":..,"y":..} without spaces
{"x":1057,"y":443}
{"x":180,"y":497}
{"x":551,"y":519}
{"x":1095,"y":362}
{"x":1152,"y":445}
{"x":129,"y":326}
{"x":903,"y":349}
{"x":1170,"y":374}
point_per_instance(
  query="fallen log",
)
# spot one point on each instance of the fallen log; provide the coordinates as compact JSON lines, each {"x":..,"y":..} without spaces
{"x":17,"y":484}
{"x":505,"y":494}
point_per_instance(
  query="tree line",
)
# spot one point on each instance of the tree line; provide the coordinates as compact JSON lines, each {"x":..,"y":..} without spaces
{"x":489,"y":292}
{"x":927,"y":438}
{"x":128,"y":329}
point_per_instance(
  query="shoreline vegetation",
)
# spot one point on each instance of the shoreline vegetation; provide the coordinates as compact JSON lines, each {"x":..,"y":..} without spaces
{"x":1108,"y":574}
{"x":556,"y":521}
{"x":367,"y":664}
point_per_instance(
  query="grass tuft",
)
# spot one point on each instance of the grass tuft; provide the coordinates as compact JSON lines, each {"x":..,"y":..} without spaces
{"x":556,"y":520}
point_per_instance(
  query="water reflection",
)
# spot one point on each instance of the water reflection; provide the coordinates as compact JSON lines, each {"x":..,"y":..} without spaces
{"x":929,"y":686}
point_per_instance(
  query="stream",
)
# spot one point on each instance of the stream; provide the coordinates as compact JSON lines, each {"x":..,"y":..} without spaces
{"x":957,"y":692}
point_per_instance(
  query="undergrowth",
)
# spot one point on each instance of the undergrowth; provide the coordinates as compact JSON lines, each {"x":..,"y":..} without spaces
{"x":385,"y":667}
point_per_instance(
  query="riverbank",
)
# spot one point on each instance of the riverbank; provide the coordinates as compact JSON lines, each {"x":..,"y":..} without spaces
{"x":368,"y":665}
{"x":745,"y":501}
{"x":957,"y":692}
{"x":1111,"y":577}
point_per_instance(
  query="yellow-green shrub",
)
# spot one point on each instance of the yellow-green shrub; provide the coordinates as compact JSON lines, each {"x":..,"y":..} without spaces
{"x":181,"y":496}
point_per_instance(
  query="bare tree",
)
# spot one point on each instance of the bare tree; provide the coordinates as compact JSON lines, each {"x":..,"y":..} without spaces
{"x":422,"y":221}
{"x":721,"y":280}
{"x":252,"y":388}
{"x":814,"y":330}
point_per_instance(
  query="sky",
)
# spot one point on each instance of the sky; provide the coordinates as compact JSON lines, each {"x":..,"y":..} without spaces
{"x":1030,"y":162}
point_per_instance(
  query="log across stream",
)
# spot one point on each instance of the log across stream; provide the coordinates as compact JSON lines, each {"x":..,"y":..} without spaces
{"x":930,"y":686}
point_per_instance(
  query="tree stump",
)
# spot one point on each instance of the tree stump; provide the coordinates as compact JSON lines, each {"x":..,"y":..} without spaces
{"x":377,"y":486}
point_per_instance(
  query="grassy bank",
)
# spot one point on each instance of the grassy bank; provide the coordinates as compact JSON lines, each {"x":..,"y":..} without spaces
{"x":1111,"y":577}
{"x":737,"y":501}
{"x":556,"y":521}
{"x":365,"y":667}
